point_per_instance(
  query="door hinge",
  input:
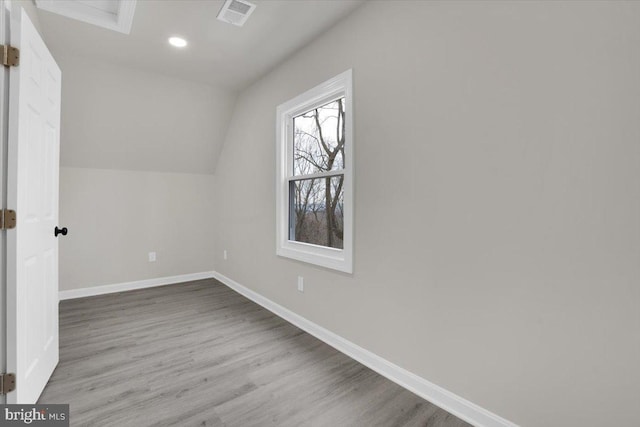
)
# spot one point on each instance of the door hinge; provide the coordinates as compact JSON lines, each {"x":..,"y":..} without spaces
{"x":7,"y":383}
{"x":10,"y":56}
{"x":7,"y":219}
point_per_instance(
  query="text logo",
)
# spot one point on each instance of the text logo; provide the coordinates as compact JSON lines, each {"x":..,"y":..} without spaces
{"x":34,"y":415}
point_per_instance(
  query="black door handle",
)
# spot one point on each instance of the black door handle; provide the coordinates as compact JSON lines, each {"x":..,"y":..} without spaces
{"x":62,"y":231}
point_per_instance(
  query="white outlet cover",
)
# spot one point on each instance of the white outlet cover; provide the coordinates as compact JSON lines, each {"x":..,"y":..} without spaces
{"x":301,"y":283}
{"x":152,"y":257}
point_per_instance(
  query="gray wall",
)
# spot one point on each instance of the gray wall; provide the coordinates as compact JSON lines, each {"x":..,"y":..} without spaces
{"x":497,"y":240}
{"x":137,"y":155}
{"x":115,"y":218}
{"x":115,"y":117}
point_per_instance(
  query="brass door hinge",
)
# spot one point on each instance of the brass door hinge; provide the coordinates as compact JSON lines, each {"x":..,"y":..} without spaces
{"x":10,"y":56}
{"x":7,"y":219}
{"x":7,"y":383}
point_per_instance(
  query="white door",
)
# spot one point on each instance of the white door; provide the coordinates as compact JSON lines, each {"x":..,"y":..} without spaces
{"x":32,"y":190}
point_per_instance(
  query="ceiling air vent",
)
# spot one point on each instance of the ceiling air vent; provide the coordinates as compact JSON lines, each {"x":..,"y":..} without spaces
{"x":236,"y":12}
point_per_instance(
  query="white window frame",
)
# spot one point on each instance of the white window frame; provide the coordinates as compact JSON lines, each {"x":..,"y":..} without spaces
{"x":336,"y":259}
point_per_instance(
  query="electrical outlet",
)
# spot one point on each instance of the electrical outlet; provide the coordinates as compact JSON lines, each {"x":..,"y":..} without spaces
{"x":152,"y":257}
{"x":224,"y":254}
{"x":300,"y":284}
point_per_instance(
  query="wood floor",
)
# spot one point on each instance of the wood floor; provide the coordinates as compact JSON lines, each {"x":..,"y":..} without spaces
{"x":199,"y":354}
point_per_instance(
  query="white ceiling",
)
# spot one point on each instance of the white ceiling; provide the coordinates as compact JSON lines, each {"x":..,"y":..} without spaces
{"x":218,"y":53}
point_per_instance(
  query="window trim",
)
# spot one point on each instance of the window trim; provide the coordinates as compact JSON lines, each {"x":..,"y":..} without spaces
{"x":333,"y":258}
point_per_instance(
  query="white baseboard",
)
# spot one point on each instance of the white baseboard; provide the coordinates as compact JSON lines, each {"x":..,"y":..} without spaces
{"x":445,"y":399}
{"x":129,"y":286}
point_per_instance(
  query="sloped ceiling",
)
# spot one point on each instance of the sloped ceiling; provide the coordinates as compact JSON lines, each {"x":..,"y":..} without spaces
{"x":133,"y":102}
{"x":218,"y":53}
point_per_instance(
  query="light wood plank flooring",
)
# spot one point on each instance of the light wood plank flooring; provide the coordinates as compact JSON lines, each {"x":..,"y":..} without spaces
{"x":199,"y":354}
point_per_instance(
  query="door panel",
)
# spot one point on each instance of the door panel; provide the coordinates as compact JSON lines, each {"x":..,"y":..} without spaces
{"x":32,"y":188}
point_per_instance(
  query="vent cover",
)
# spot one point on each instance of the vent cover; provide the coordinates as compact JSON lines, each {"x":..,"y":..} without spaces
{"x":236,"y":12}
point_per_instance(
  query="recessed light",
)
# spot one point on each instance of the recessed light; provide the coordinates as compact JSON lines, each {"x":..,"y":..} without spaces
{"x":177,"y":41}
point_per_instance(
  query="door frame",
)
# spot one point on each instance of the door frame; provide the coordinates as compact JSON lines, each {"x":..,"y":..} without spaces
{"x":5,"y":18}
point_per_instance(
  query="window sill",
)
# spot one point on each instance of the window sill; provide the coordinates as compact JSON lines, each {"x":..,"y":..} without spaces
{"x":331,"y":258}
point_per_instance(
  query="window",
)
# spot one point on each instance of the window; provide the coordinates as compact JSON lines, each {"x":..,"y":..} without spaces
{"x":314,"y":188}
